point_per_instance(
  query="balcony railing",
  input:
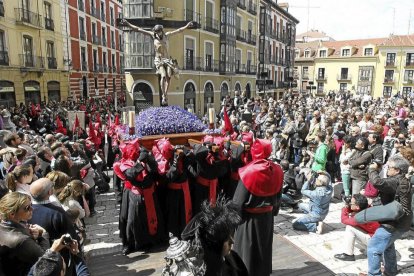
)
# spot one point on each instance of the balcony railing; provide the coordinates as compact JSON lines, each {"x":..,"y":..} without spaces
{"x":122,"y":70}
{"x":1,"y":9}
{"x":343,"y":77}
{"x":321,"y":78}
{"x":32,"y":61}
{"x":28,"y":17}
{"x":251,"y":69}
{"x":409,"y":63}
{"x":390,"y":63}
{"x":103,"y":17}
{"x":251,"y":38}
{"x":51,"y":63}
{"x":388,"y":80}
{"x":81,"y":5}
{"x":190,"y":15}
{"x":84,"y":66}
{"x":211,"y":25}
{"x":114,"y":69}
{"x":201,"y":64}
{"x":4,"y":58}
{"x":82,"y":36}
{"x":105,"y":68}
{"x":409,"y":80}
{"x":252,"y":7}
{"x":97,"y":68}
{"x":241,"y":4}
{"x":96,"y":40}
{"x":49,"y":24}
{"x":241,"y":35}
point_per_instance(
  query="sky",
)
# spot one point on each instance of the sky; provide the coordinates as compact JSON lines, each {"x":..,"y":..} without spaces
{"x":353,"y":19}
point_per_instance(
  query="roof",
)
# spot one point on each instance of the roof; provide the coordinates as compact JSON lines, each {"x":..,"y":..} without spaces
{"x":399,"y":40}
{"x":314,"y":35}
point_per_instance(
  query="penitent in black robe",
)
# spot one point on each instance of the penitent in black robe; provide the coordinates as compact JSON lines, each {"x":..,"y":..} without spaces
{"x":253,"y":239}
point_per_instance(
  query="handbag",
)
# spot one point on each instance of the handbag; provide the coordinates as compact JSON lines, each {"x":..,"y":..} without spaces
{"x":388,"y":212}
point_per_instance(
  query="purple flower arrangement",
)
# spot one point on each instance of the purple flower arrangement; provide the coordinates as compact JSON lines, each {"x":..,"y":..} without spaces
{"x":166,"y":120}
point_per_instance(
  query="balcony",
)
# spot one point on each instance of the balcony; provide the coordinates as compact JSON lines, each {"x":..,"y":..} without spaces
{"x":190,"y":15}
{"x":201,"y":64}
{"x":211,"y":25}
{"x":343,"y":77}
{"x":409,"y":63}
{"x":251,"y":38}
{"x":321,"y":78}
{"x":96,"y":40}
{"x":252,"y":7}
{"x":390,"y":63}
{"x":81,"y":5}
{"x":105,"y":68}
{"x":4,"y":58}
{"x":122,"y":70}
{"x":84,"y":66}
{"x":113,"y":46}
{"x":241,"y":4}
{"x":97,"y":68}
{"x":114,"y":69}
{"x":409,"y":80}
{"x":389,"y":80}
{"x":1,"y":9}
{"x":51,"y":63}
{"x":95,"y":12}
{"x":29,"y":18}
{"x":241,"y":35}
{"x":49,"y":24}
{"x":30,"y":61}
{"x":103,"y":17}
{"x":251,"y":69}
{"x":82,"y":36}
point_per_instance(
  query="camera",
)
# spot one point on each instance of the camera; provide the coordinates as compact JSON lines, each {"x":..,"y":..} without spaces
{"x":347,"y":199}
{"x":312,"y":180}
{"x":67,"y":239}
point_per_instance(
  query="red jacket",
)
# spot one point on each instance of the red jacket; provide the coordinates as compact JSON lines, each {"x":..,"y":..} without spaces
{"x":347,"y":218}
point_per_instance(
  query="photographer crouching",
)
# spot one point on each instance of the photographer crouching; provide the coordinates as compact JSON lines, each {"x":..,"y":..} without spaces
{"x":319,"y":190}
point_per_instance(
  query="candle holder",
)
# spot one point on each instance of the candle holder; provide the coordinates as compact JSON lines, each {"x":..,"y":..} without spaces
{"x":211,"y":115}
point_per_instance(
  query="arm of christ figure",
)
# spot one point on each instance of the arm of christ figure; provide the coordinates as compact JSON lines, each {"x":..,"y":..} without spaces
{"x":136,"y":28}
{"x":189,"y":25}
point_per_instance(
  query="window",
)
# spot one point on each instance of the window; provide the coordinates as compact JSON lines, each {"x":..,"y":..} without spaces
{"x":320,"y":87}
{"x":365,"y":73}
{"x":321,"y":73}
{"x":96,"y":83}
{"x":49,"y":25}
{"x":112,"y":39}
{"x":139,"y":51}
{"x":368,"y":52}
{"x":142,"y":8}
{"x":389,"y":76}
{"x":84,"y":64}
{"x":238,"y":60}
{"x":408,"y":76}
{"x":364,"y":89}
{"x":113,"y":62}
{"x":111,"y":13}
{"x":390,"y":59}
{"x":50,"y":54}
{"x":322,"y":53}
{"x":387,"y":91}
{"x":95,"y":60}
{"x":104,"y":63}
{"x":81,"y":5}
{"x":307,"y":54}
{"x":296,"y":54}
{"x":28,"y":58}
{"x":189,"y":53}
{"x":305,"y":72}
{"x":209,"y":56}
{"x":344,"y":74}
{"x":249,"y":65}
{"x":4,"y":57}
{"x":26,"y":11}
{"x":103,"y":35}
{"x":343,"y":87}
{"x":346,"y":52}
{"x":103,"y":11}
{"x":406,"y":91}
{"x":82,"y":34}
{"x":410,"y":59}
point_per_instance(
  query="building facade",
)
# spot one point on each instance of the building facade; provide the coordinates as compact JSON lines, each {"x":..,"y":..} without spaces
{"x":379,"y":67}
{"x":32,"y":62}
{"x":218,"y":58}
{"x":277,"y":31}
{"x":95,"y":48}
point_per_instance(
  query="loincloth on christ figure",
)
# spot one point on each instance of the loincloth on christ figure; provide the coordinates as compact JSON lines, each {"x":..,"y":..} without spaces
{"x":167,"y":62}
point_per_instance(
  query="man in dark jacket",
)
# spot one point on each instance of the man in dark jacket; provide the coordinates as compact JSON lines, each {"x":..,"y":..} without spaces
{"x":395,"y":187}
{"x":375,"y":147}
{"x":359,"y":162}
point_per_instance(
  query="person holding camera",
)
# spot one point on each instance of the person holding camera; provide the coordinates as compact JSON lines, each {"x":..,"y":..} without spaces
{"x":53,"y":264}
{"x":319,"y":190}
{"x":354,"y":230}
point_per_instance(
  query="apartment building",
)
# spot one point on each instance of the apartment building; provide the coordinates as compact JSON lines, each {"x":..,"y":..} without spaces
{"x":379,"y":67}
{"x":96,"y":48}
{"x":32,"y":60}
{"x":216,"y":59}
{"x":277,"y":31}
